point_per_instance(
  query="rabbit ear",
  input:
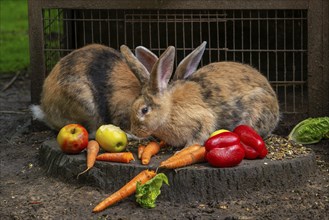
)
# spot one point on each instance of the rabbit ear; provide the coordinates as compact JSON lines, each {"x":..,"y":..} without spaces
{"x":146,"y":57}
{"x":190,"y":63}
{"x":135,"y":65}
{"x":162,"y":71}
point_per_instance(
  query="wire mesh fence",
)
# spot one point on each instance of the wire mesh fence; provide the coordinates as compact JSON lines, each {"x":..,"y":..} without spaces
{"x":273,"y":41}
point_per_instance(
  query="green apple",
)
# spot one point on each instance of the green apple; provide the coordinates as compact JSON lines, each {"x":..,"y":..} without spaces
{"x":72,"y":138}
{"x":218,"y":132}
{"x":111,"y":138}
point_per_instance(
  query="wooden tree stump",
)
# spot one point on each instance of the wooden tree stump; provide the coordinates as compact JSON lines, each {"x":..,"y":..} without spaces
{"x":199,"y":182}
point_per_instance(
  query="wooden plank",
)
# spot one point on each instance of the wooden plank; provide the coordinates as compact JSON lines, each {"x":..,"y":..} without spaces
{"x":177,"y":4}
{"x":317,"y":65}
{"x":325,"y":61}
{"x":36,"y":41}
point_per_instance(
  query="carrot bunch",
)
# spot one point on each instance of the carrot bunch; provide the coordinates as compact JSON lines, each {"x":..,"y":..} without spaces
{"x":120,"y":157}
{"x":126,"y":190}
{"x":145,"y":153}
{"x":92,"y":155}
{"x":187,"y":156}
{"x":92,"y":151}
{"x":149,"y":151}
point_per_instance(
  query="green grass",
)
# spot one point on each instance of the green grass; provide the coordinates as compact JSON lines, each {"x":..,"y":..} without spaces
{"x":14,"y":46}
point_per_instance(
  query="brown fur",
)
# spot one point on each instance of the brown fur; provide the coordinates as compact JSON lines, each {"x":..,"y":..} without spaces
{"x":70,"y":91}
{"x":125,"y":91}
{"x":241,"y":89}
{"x":219,"y":95}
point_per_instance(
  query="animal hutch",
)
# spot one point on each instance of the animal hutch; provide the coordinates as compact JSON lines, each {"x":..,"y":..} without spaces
{"x":287,"y":40}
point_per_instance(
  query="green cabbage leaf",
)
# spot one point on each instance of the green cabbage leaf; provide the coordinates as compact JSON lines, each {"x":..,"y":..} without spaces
{"x":310,"y":131}
{"x":147,"y":193}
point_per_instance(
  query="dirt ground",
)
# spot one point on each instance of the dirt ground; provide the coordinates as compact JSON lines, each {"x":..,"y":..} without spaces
{"x":27,"y":192}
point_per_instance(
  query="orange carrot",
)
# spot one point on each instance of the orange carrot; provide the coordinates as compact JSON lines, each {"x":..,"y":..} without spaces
{"x":162,"y":144}
{"x":150,"y":150}
{"x":140,"y":151}
{"x":193,"y":157}
{"x":180,"y":153}
{"x":92,"y":151}
{"x":126,"y":190}
{"x":121,"y":157}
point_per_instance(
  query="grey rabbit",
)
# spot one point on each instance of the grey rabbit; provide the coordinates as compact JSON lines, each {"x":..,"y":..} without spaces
{"x":187,"y":110}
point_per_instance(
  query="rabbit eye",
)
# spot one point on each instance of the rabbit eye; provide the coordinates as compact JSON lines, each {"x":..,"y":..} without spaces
{"x":144,"y":110}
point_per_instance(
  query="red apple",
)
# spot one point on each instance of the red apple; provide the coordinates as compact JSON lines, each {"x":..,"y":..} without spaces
{"x":72,"y":138}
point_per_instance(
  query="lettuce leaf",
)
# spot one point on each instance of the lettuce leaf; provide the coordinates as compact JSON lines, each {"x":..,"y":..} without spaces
{"x":310,"y":131}
{"x":147,"y":193}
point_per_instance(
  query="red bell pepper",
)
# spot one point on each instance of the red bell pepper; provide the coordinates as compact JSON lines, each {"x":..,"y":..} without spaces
{"x":225,"y":157}
{"x":250,"y":153}
{"x":221,"y":140}
{"x":251,"y":141}
{"x":224,"y":150}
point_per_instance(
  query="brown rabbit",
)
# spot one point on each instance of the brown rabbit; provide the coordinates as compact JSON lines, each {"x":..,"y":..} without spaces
{"x":92,"y":86}
{"x":219,"y":95}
